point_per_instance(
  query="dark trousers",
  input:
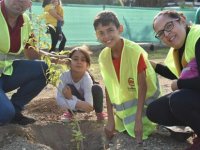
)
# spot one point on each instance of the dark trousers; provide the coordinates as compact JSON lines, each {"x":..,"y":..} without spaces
{"x":179,"y":108}
{"x":55,"y":37}
{"x":97,"y":94}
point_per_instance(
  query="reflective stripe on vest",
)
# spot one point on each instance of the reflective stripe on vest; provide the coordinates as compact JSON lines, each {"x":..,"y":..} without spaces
{"x":5,"y":61}
{"x":131,"y":118}
{"x":132,"y":103}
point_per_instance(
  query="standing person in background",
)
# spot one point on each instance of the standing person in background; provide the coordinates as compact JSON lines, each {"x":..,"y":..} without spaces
{"x":197,"y":16}
{"x":54,"y":16}
{"x":130,"y":80}
{"x":181,"y":107}
{"x":77,"y":90}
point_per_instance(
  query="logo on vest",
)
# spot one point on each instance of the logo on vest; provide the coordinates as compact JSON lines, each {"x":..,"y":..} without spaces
{"x":131,"y":84}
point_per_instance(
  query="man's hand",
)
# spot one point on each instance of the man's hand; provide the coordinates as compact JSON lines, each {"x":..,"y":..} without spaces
{"x":31,"y":53}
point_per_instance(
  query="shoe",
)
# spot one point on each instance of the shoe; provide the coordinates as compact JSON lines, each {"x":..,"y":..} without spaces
{"x":66,"y":117}
{"x":101,"y":116}
{"x":195,"y":145}
{"x":22,"y":120}
{"x":180,"y":133}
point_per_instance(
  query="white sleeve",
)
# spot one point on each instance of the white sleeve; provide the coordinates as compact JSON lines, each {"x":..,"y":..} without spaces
{"x":61,"y":100}
{"x":87,"y":88}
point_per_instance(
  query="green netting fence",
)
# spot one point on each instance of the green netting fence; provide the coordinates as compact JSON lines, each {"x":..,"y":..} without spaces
{"x":137,"y":21}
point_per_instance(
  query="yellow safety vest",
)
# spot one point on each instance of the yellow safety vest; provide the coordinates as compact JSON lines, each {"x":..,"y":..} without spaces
{"x":6,"y":57}
{"x":171,"y":60}
{"x":124,"y":94}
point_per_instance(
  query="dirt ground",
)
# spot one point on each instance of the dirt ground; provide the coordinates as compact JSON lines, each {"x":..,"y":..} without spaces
{"x":48,"y":133}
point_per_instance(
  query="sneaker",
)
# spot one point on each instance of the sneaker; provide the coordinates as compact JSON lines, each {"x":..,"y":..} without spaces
{"x":66,"y":117}
{"x":22,"y":120}
{"x":195,"y":145}
{"x":101,"y":116}
{"x":180,"y":133}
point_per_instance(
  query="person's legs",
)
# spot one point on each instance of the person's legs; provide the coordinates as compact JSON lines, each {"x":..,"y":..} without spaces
{"x":185,"y":105}
{"x":7,"y":110}
{"x":59,"y":27}
{"x":97,"y":94}
{"x":54,"y":38}
{"x":159,"y":112}
{"x":29,"y":77}
{"x":62,"y":43}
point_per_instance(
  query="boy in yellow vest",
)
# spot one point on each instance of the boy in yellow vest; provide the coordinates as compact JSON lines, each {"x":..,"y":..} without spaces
{"x":131,"y":83}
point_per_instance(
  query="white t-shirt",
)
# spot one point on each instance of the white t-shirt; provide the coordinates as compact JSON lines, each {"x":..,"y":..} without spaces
{"x":84,"y":86}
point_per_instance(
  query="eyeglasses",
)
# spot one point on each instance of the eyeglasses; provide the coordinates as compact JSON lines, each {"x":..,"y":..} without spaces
{"x":168,"y":27}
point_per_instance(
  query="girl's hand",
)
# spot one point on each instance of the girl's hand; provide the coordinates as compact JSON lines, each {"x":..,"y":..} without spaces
{"x":84,"y":106}
{"x":67,"y":93}
{"x":174,"y":85}
{"x":138,"y":130}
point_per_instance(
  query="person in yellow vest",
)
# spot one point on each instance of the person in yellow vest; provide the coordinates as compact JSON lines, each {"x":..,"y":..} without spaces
{"x":131,"y":82}
{"x":27,"y":77}
{"x":181,"y":107}
{"x":54,"y":17}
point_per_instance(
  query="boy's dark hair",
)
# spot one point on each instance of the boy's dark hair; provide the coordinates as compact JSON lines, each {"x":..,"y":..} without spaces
{"x":105,"y":18}
{"x":45,"y":2}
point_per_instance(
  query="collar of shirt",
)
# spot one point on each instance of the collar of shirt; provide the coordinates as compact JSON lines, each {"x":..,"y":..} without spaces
{"x":15,"y":33}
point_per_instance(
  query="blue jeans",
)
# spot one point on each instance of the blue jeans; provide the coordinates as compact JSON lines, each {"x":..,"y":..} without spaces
{"x":28,"y":79}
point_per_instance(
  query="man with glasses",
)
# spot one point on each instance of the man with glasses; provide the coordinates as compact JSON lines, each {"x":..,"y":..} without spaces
{"x":181,"y":107}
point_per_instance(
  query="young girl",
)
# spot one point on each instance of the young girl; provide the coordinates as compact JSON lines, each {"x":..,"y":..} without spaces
{"x":76,"y":91}
{"x":54,"y":19}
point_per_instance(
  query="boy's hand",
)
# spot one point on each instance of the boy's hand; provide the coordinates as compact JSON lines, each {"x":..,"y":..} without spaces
{"x":138,"y":130}
{"x":109,"y":130}
{"x":84,"y":106}
{"x":67,"y":93}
